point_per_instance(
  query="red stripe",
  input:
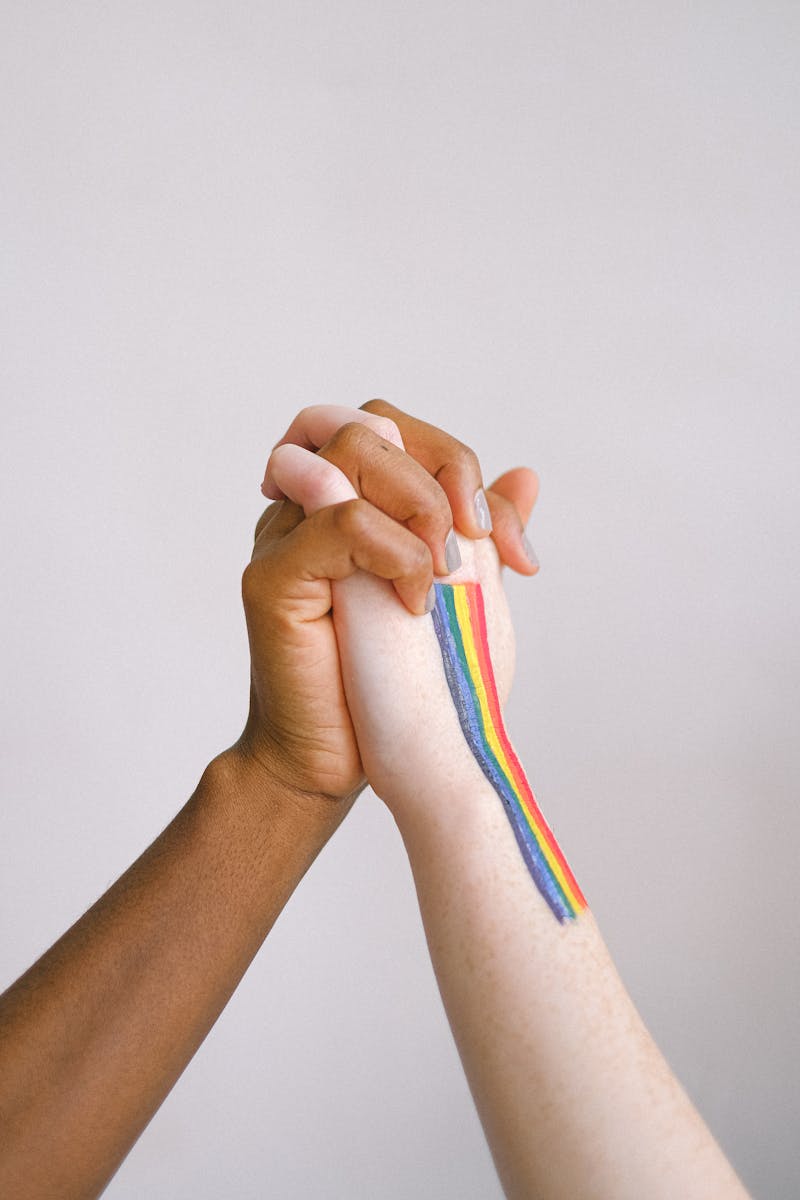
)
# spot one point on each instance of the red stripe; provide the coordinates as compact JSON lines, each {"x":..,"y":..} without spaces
{"x":478,"y":619}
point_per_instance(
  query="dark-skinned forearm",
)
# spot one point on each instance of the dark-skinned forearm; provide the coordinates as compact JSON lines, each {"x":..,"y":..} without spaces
{"x":96,"y":1032}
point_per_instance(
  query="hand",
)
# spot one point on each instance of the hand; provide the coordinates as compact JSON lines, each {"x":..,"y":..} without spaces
{"x":379,"y":495}
{"x":454,"y":466}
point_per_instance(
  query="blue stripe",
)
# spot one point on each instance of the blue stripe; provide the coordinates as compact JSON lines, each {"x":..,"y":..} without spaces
{"x":471,"y":721}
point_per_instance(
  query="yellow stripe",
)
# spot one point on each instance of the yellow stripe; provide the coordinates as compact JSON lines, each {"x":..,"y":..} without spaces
{"x":468,"y":638}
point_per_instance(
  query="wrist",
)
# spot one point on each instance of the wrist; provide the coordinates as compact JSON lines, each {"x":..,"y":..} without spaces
{"x":237,"y":780}
{"x":471,"y":826}
{"x":455,"y":790}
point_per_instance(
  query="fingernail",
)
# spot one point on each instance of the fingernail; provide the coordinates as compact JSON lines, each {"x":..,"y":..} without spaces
{"x":430,"y":599}
{"x":452,"y":554}
{"x":484,"y":517}
{"x":529,"y":551}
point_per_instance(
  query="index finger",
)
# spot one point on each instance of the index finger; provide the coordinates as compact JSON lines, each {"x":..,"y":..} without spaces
{"x":452,"y":464}
{"x":316,"y":425}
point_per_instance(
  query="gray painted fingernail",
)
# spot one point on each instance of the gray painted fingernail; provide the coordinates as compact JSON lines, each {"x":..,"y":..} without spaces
{"x":452,"y":554}
{"x":529,"y":551}
{"x":430,"y":599}
{"x":482,"y":514}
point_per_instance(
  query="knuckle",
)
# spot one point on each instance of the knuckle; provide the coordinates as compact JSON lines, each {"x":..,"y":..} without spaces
{"x":420,"y":559}
{"x":350,"y":518}
{"x":465,"y":458}
{"x":374,"y":406}
{"x":306,"y":413}
{"x":252,"y":583}
{"x":265,"y":518}
{"x":386,"y":428}
{"x":348,"y":437}
{"x":434,"y":507}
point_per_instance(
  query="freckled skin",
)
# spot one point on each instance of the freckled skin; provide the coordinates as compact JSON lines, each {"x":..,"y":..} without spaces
{"x":95,"y":1033}
{"x":347,"y":678}
{"x":575,"y":1098}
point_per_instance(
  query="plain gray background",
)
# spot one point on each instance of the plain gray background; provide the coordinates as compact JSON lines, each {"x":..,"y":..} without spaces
{"x":569,"y":234}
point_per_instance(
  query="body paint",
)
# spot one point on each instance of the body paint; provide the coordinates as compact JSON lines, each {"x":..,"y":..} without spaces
{"x":459,"y":619}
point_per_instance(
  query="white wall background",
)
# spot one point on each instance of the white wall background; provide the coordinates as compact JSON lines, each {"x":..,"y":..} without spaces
{"x":568,"y":233}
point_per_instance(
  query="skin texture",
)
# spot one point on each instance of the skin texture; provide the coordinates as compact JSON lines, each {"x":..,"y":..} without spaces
{"x":574,"y":1095}
{"x":384,"y":514}
{"x":95,"y":1033}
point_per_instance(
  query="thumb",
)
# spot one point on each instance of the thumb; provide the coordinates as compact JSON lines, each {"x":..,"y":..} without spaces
{"x":511,"y":499}
{"x":520,"y":485}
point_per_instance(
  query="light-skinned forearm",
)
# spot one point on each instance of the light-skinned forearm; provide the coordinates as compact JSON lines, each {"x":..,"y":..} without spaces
{"x":574,"y":1096}
{"x":96,"y":1032}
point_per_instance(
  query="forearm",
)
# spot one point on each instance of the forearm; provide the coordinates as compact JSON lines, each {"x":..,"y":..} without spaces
{"x":95,"y":1034}
{"x":574,"y":1096}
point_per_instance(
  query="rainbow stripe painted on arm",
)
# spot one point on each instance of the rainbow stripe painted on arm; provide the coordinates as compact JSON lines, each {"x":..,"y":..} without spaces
{"x":459,"y":619}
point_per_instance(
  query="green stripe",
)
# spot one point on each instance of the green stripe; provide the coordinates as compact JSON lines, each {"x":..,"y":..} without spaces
{"x":458,"y":639}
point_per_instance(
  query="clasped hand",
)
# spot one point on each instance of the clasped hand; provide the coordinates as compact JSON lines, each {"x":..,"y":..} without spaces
{"x":369,"y":506}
